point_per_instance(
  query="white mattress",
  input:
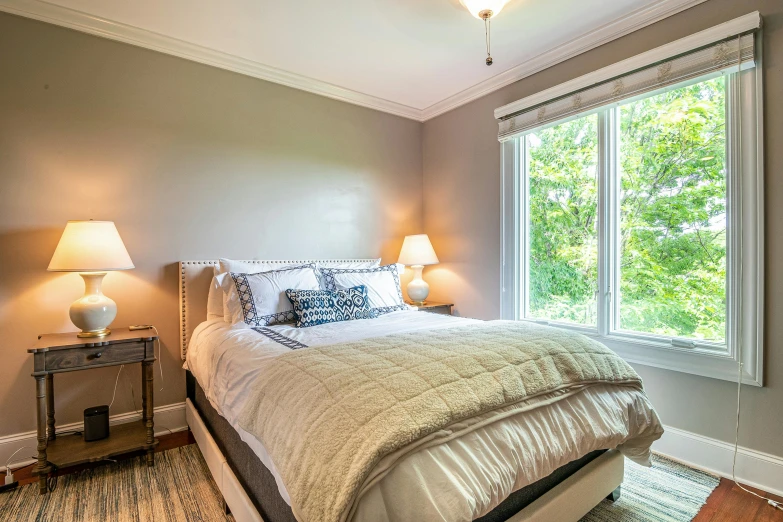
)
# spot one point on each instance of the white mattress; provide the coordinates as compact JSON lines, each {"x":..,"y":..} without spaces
{"x":459,"y":480}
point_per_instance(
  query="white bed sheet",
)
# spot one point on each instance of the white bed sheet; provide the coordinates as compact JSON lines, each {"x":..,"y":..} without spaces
{"x":486,"y":465}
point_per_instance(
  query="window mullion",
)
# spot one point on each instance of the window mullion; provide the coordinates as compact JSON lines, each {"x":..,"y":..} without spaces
{"x":614,"y":224}
{"x":606,"y":155}
{"x":733,"y":209}
{"x":524,"y":227}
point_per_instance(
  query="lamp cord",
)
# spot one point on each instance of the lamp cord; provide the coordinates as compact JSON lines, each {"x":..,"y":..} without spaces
{"x":160,"y":366}
{"x":114,"y":393}
{"x":160,"y":361}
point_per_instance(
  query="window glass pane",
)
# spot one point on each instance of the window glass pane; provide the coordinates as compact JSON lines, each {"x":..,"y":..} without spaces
{"x":563,"y":211}
{"x":673,"y":213}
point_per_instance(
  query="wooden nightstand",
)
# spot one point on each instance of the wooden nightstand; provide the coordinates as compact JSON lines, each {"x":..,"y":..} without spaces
{"x":57,"y":353}
{"x":435,"y":308}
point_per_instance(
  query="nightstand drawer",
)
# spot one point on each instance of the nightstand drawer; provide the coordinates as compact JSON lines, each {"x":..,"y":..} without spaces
{"x":441,"y":309}
{"x":434,"y":308}
{"x":82,"y":358}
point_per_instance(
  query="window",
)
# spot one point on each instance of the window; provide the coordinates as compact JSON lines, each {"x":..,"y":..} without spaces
{"x":639,"y":222}
{"x":672,"y":214}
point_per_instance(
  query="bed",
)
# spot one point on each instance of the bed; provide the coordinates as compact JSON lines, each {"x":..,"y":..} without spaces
{"x":550,"y":462}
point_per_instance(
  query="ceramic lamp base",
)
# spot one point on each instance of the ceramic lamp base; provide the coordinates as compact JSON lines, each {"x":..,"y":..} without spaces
{"x":418,"y":289}
{"x":93,"y":312}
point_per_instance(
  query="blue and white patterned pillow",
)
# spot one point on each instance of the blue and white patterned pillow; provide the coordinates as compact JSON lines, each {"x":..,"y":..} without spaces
{"x":257,"y":299}
{"x":382,"y":283}
{"x":314,"y":307}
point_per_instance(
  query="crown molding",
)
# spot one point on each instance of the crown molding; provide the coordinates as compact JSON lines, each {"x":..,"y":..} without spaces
{"x":634,"y":21}
{"x":80,"y":21}
{"x":94,"y":25}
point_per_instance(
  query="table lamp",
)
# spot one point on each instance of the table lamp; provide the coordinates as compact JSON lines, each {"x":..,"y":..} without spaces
{"x":91,"y":248}
{"x":416,"y":252}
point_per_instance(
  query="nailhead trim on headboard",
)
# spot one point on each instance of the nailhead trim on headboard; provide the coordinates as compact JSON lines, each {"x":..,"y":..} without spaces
{"x":185,"y":328}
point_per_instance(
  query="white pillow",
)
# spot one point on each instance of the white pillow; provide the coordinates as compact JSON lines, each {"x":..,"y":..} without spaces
{"x":218,"y":287}
{"x":382,"y":283}
{"x":215,"y":297}
{"x":259,"y":299}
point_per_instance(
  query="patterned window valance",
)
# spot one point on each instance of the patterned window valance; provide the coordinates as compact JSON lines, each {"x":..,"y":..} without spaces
{"x":719,"y":57}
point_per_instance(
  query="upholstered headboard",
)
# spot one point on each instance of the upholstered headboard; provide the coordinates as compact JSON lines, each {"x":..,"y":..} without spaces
{"x":194,"y":279}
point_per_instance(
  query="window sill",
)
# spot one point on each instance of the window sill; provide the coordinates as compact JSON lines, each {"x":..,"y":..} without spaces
{"x":716,"y":364}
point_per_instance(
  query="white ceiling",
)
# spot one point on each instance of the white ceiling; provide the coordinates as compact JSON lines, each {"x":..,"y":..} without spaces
{"x":417,"y":54}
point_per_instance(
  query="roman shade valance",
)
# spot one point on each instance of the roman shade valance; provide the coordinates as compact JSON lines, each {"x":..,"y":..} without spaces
{"x":715,"y":51}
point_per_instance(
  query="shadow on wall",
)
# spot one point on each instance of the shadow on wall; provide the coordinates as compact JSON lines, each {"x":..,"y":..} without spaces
{"x":26,"y":288}
{"x":479,"y":297}
{"x":34,"y":301}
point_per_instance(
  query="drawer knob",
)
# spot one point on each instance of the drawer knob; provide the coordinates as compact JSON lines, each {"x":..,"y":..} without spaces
{"x":98,"y":355}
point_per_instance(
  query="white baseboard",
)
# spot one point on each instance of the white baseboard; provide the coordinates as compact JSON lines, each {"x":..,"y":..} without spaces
{"x":754,"y":468}
{"x":170,"y":417}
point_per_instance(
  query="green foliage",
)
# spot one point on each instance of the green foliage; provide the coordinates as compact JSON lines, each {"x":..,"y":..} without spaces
{"x":672,"y":215}
{"x":563,"y":192}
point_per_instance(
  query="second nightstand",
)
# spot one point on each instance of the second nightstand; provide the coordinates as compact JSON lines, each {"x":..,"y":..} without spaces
{"x":435,"y":308}
{"x":58,"y":353}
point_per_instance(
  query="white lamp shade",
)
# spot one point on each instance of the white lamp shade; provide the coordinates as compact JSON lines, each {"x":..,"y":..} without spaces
{"x":417,"y":250}
{"x":90,"y":246}
{"x":476,"y":6}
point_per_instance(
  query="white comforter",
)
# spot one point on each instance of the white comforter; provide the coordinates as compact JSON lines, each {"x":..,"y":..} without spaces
{"x":459,"y":480}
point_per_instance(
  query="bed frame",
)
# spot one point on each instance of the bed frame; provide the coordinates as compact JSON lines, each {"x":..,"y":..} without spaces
{"x":566,"y":495}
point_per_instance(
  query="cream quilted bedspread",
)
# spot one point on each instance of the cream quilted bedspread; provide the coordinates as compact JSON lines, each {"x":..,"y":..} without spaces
{"x":336,"y":418}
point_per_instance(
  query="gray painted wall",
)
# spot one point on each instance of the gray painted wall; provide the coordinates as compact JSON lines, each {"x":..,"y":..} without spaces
{"x":462,"y":217}
{"x":191,"y":162}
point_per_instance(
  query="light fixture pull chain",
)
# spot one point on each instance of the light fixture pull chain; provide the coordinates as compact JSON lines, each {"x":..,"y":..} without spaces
{"x":487,"y":37}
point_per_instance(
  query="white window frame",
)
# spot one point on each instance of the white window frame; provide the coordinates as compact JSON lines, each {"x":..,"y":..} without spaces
{"x":745,"y":246}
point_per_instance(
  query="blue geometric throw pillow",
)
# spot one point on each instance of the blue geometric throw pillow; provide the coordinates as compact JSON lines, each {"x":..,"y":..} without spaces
{"x":314,"y":307}
{"x":352,"y":304}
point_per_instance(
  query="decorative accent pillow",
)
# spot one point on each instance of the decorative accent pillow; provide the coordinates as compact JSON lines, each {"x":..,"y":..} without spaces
{"x":383,"y":285}
{"x":314,"y":307}
{"x":259,"y":299}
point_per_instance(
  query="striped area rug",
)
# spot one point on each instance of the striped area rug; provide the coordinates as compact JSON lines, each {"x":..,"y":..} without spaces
{"x":179,"y":488}
{"x":667,"y":492}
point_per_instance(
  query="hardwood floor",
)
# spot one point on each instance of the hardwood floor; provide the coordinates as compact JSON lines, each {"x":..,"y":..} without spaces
{"x":728,"y":503}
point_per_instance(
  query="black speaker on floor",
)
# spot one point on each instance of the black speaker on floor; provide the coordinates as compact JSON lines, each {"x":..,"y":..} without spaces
{"x":96,"y":423}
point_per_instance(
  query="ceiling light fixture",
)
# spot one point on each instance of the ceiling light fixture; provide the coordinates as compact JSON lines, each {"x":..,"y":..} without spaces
{"x":485,"y":10}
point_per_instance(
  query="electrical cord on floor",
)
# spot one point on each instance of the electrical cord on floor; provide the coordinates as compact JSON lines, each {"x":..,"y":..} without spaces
{"x":9,"y":474}
{"x":771,"y":502}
